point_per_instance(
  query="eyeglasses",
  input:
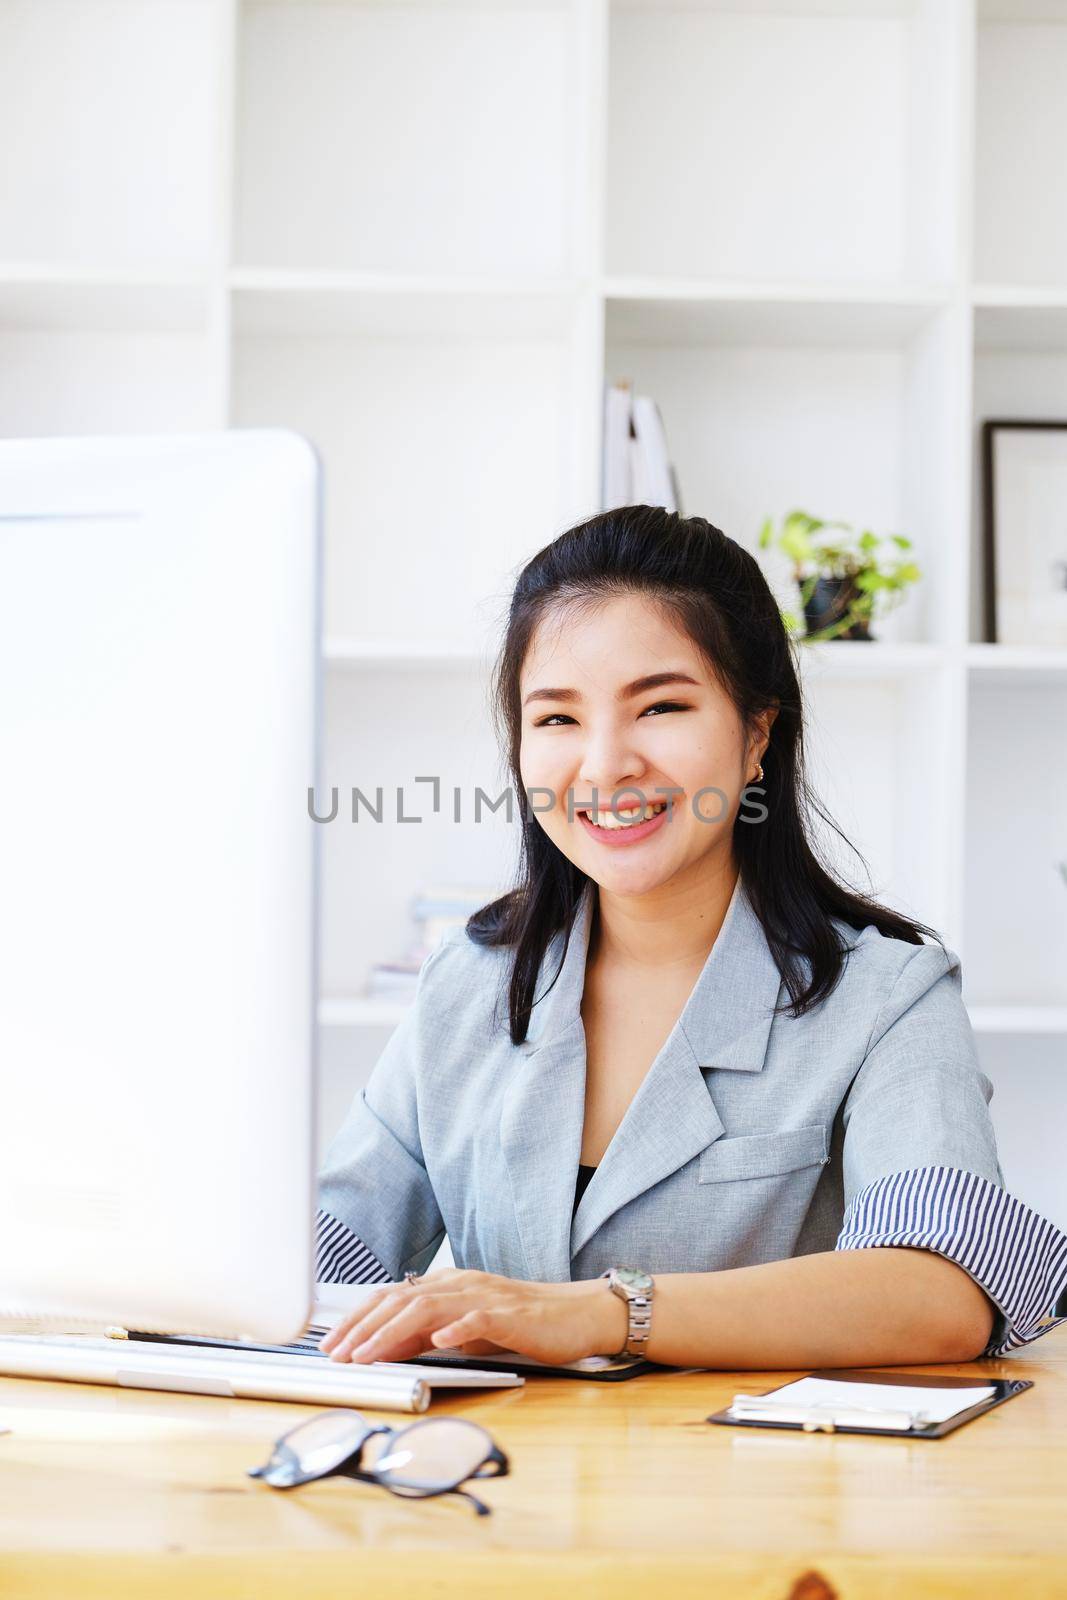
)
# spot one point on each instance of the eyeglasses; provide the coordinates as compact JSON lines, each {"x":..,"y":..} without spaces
{"x":426,"y":1458}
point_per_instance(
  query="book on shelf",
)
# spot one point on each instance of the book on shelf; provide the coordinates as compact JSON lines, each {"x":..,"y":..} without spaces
{"x":434,"y":911}
{"x":636,"y":468}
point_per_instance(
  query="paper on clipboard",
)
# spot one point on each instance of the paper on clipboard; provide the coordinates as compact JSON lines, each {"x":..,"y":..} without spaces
{"x":938,"y":1404}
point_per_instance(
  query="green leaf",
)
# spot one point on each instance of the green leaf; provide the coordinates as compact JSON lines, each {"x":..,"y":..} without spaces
{"x":766,"y":533}
{"x":795,"y":542}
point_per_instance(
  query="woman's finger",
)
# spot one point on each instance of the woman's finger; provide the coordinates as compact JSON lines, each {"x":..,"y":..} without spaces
{"x":483,"y":1323}
{"x":414,"y":1321}
{"x":352,"y":1318}
{"x":391,"y":1299}
{"x":386,"y":1306}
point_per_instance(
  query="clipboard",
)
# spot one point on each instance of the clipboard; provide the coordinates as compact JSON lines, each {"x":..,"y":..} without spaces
{"x":1003,"y":1389}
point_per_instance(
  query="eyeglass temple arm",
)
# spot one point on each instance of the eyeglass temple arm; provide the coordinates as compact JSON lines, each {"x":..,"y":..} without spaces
{"x":479,"y":1506}
{"x":497,"y":1461}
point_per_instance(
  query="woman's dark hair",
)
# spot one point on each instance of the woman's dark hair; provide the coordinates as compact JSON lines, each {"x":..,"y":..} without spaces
{"x":715,"y":591}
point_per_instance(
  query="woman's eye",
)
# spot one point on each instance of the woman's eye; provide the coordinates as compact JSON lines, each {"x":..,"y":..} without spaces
{"x":664,"y":705}
{"x":560,"y":718}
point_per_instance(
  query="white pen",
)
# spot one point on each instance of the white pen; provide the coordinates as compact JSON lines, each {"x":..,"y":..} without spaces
{"x":822,"y":1418}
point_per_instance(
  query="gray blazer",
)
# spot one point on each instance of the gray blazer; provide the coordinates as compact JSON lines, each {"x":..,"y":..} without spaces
{"x":746,"y":1142}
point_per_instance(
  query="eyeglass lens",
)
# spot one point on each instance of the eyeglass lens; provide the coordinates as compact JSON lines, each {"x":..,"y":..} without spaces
{"x":436,"y":1454}
{"x":323,"y":1442}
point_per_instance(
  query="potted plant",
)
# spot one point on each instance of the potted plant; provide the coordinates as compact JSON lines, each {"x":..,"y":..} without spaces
{"x":845,"y":578}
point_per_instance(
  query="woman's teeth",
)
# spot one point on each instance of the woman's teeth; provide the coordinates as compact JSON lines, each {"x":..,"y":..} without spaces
{"x":625,"y":818}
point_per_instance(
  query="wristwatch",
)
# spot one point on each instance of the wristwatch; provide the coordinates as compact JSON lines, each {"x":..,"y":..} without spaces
{"x":636,"y":1288}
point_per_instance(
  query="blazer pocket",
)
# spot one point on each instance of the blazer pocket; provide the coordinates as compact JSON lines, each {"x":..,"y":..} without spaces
{"x":764,"y":1155}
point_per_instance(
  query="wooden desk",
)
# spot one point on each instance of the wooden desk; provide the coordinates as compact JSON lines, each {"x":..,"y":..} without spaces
{"x":615,"y":1490}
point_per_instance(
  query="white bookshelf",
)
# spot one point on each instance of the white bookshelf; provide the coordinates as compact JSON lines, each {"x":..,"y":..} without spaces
{"x":830,"y":237}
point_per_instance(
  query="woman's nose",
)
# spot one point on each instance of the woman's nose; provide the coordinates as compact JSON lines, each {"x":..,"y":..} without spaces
{"x":608,"y":764}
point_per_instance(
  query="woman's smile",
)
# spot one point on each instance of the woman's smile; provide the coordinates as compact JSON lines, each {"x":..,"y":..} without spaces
{"x":626,"y":825}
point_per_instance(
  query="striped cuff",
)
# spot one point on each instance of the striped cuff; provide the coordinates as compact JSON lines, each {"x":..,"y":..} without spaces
{"x":340,"y":1257}
{"x":1018,"y":1257}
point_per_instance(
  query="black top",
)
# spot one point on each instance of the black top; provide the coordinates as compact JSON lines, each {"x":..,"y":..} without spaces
{"x":584,"y":1175}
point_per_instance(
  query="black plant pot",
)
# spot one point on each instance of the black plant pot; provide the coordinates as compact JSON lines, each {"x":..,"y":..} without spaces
{"x":828,"y":603}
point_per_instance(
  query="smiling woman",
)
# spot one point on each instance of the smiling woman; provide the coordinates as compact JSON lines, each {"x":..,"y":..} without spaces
{"x":680,"y":1090}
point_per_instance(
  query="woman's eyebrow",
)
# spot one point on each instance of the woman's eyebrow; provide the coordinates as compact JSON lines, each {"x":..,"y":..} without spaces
{"x":654,"y":680}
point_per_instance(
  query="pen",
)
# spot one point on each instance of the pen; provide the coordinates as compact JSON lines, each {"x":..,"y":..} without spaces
{"x":823,"y":1418}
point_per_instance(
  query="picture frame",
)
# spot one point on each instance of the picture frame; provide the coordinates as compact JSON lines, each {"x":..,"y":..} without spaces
{"x":1024,"y":517}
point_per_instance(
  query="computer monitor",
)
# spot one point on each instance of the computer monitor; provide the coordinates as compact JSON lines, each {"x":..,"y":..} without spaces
{"x":160,"y":605}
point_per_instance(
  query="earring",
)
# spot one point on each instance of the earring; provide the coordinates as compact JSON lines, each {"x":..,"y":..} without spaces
{"x":759,"y":773}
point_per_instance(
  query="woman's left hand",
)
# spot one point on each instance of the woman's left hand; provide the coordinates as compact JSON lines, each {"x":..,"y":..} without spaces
{"x":479,"y":1312}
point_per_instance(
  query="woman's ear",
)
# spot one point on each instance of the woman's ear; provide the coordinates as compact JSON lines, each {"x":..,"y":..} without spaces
{"x":764,"y":722}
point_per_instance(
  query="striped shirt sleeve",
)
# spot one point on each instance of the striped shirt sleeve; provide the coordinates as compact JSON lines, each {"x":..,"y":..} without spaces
{"x":341,"y":1257}
{"x":1018,"y":1257}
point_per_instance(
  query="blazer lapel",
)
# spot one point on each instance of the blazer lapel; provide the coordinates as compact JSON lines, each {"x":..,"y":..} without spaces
{"x":544,"y":1107}
{"x":724,"y":1026}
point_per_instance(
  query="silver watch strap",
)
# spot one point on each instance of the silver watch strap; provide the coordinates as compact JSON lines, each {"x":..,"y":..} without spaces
{"x":639,"y":1308}
{"x":638,"y":1317}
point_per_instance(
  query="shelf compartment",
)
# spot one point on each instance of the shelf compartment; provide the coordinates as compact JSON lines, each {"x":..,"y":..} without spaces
{"x":1020,"y":374}
{"x":1020,"y":210}
{"x":379,"y":737}
{"x":106,"y":358}
{"x":854,"y":181}
{"x":1028,"y":1072}
{"x":876,"y":751}
{"x":454,"y":441}
{"x":845,"y":409}
{"x":1015,"y":895}
{"x":384,"y":137}
{"x":109,"y":104}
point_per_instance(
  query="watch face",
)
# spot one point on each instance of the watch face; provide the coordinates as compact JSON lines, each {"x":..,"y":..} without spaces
{"x":633,"y":1279}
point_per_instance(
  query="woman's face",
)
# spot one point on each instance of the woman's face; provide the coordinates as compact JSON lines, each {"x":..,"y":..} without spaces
{"x":594,"y":732}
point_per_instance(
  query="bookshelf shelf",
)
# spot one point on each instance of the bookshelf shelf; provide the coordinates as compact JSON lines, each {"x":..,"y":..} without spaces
{"x":284,"y":280}
{"x":360,"y":1011}
{"x":1020,"y":296}
{"x":789,"y":319}
{"x":353,"y":654}
{"x":1010,"y":1021}
{"x":103,"y":303}
{"x":806,"y":292}
{"x":1009,"y":665}
{"x":433,"y":278}
{"x":839,"y":660}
